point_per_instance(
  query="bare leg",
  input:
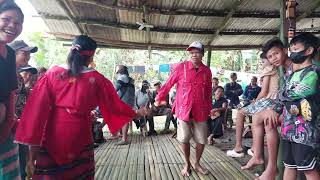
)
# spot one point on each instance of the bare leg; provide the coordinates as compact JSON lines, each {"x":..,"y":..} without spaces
{"x":257,"y":145}
{"x":125,"y":132}
{"x":186,"y":152}
{"x":290,"y":174}
{"x":312,"y":174}
{"x":197,"y":166}
{"x":272,"y":145}
{"x":239,"y":129}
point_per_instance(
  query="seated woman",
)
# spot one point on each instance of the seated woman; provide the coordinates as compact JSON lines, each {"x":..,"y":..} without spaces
{"x":217,"y":114}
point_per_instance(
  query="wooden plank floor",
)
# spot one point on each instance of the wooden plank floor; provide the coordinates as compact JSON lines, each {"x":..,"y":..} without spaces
{"x":160,"y":158}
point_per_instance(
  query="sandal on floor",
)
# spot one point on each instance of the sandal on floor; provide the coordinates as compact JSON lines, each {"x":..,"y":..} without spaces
{"x":250,"y":152}
{"x":235,"y":154}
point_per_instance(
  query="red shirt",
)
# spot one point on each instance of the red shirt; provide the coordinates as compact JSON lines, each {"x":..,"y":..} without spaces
{"x":194,"y":91}
{"x":57,"y":113}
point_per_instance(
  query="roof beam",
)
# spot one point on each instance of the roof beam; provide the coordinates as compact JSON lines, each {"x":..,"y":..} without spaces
{"x":103,"y":23}
{"x":136,"y":45}
{"x":226,"y":20}
{"x":209,"y":13}
{"x":63,"y":4}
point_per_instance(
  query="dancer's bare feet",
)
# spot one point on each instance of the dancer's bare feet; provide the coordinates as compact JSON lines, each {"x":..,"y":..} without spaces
{"x":252,"y":163}
{"x":113,"y":137}
{"x":186,"y":171}
{"x":201,"y":169}
{"x":268,"y":175}
{"x":210,"y":140}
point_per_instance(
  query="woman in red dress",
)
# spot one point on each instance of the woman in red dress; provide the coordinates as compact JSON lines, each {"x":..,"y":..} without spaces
{"x":56,"y":122}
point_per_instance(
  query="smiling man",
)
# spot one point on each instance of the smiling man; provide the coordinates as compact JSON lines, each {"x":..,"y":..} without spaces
{"x":192,"y":104}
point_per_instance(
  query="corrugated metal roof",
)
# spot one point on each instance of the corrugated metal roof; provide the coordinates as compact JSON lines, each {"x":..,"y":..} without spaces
{"x":133,"y":35}
{"x":177,"y":38}
{"x":245,"y":40}
{"x":183,"y":4}
{"x":62,"y":26}
{"x":253,"y":23}
{"x":129,"y":17}
{"x":89,"y":11}
{"x":117,"y":23}
{"x":307,"y":22}
{"x":50,"y":7}
{"x":260,"y":5}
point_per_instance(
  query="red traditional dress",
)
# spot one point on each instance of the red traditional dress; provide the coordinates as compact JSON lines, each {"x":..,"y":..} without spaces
{"x":57,"y":118}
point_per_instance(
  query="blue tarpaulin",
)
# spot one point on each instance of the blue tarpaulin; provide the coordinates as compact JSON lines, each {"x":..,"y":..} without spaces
{"x":164,"y":68}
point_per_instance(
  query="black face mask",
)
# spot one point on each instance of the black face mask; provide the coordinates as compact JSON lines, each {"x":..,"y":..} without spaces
{"x":144,"y":88}
{"x":298,"y":57}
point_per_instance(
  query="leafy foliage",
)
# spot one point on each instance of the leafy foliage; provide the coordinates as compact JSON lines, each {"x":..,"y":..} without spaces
{"x":53,"y":52}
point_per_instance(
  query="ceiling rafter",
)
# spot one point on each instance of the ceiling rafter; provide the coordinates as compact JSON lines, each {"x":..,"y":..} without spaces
{"x":226,"y":20}
{"x":64,"y":5}
{"x":102,"y":42}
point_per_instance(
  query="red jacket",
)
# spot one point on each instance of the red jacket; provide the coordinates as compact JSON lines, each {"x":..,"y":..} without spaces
{"x":194,"y":91}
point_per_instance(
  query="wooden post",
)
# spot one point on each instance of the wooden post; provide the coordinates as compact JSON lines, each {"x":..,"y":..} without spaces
{"x":287,"y":17}
{"x":209,"y":57}
{"x":284,"y":39}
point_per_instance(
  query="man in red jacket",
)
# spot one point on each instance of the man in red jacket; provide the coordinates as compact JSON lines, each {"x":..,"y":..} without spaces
{"x":192,"y":104}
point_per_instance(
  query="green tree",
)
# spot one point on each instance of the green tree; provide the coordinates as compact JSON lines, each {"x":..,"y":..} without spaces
{"x":50,"y":51}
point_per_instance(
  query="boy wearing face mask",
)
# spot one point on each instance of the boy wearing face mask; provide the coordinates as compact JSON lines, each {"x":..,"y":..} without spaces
{"x":299,"y":106}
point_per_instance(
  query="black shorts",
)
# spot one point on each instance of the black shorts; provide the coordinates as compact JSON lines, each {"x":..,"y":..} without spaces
{"x":299,"y":156}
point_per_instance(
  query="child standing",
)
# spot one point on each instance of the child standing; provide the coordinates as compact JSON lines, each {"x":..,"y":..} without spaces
{"x":300,"y":107}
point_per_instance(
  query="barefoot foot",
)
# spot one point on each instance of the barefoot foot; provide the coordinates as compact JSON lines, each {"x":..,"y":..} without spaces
{"x":186,"y":171}
{"x":268,"y":175}
{"x":201,"y":169}
{"x":252,"y":163}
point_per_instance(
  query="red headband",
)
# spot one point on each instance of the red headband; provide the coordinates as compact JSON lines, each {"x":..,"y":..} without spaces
{"x":83,"y":52}
{"x":87,"y":52}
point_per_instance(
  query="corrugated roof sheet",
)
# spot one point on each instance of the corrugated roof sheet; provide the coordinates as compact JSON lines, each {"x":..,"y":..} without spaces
{"x":253,"y":23}
{"x":307,"y":22}
{"x":50,"y":7}
{"x":118,"y":25}
{"x":62,"y":26}
{"x":245,"y":40}
{"x":89,"y":11}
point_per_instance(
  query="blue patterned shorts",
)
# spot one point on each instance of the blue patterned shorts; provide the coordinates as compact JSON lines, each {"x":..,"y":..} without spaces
{"x":258,"y":106}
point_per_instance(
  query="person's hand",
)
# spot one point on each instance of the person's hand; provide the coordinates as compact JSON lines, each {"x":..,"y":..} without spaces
{"x":95,"y":114}
{"x":143,"y":111}
{"x":159,"y":103}
{"x":153,"y":108}
{"x":272,"y":118}
{"x":212,"y":112}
